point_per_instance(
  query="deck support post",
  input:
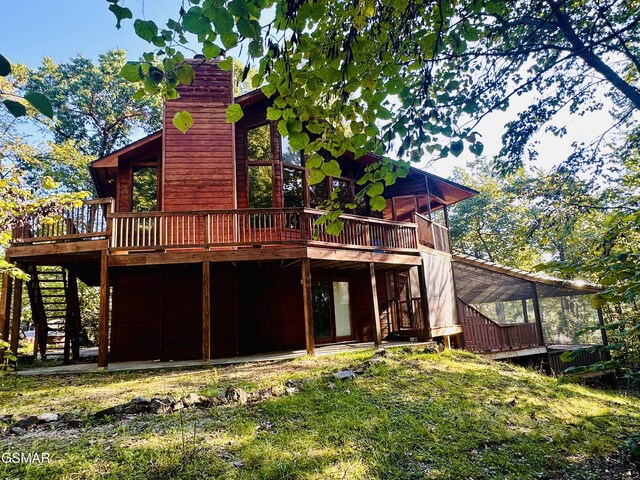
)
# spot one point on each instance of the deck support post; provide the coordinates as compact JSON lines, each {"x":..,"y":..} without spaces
{"x":307,"y":299}
{"x":5,"y":305}
{"x":375,"y":312}
{"x":206,"y":312}
{"x":17,"y":313}
{"x":603,"y":332}
{"x":537,"y":312}
{"x":103,"y":325}
{"x":525,"y":312}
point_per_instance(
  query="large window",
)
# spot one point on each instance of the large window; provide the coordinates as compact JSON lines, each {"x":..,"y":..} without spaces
{"x":260,"y":160}
{"x":267,"y":168}
{"x":144,"y":196}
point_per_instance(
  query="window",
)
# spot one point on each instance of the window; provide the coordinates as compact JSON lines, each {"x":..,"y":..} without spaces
{"x":145,"y":189}
{"x":260,"y":187}
{"x":293,"y":187}
{"x":259,"y":144}
{"x":318,"y":194}
{"x":289,"y":156}
{"x":260,"y":162}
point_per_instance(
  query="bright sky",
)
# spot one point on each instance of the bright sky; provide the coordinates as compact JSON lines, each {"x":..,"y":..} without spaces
{"x":61,"y":29}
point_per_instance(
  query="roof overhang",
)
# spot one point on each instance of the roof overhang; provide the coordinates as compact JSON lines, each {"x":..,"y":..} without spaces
{"x":480,"y":281}
{"x":105,"y":170}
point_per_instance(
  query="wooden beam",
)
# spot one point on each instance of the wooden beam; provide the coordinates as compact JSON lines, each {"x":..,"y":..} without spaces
{"x":537,"y":312}
{"x":375,"y":312}
{"x":605,"y":339}
{"x":206,"y":312}
{"x":307,"y":299}
{"x":5,"y":305}
{"x":103,"y":323}
{"x":80,"y":246}
{"x":17,"y":313}
{"x":525,"y":311}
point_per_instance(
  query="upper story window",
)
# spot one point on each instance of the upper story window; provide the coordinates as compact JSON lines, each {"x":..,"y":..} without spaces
{"x":260,"y":166}
{"x":144,"y":195}
{"x":277,"y":177}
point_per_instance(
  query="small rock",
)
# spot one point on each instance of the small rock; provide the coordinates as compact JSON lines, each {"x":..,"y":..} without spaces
{"x":331,"y":386}
{"x":264,"y":426}
{"x":407,"y":349}
{"x":115,"y":410}
{"x":17,"y":431}
{"x":236,"y":394}
{"x":194,"y":399}
{"x":48,"y":417}
{"x":291,"y":383}
{"x":291,"y":390}
{"x":344,"y":375}
{"x":178,"y":406}
{"x":66,"y":417}
{"x":27,"y":423}
{"x":137,"y":406}
{"x":381,"y":352}
{"x":140,"y":400}
{"x":6,"y":418}
{"x":221,"y":398}
{"x":238,"y":464}
{"x":160,"y":406}
{"x":74,"y":423}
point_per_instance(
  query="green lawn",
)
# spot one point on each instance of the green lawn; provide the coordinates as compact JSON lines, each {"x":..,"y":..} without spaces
{"x":448,"y":416}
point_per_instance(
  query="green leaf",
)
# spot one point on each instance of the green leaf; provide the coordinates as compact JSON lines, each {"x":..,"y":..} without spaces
{"x":334,"y":228}
{"x":316,"y":176}
{"x":282,"y":127}
{"x":41,"y":103}
{"x":223,"y":21}
{"x":229,"y":40}
{"x":210,"y":50}
{"x":331,"y":169}
{"x":194,"y":22}
{"x":16,"y":109}
{"x":120,"y":12}
{"x":5,"y":67}
{"x":298,"y":140}
{"x":131,"y":71}
{"x":273,"y":113}
{"x":269,"y":89}
{"x":377,"y":203}
{"x":456,"y":148}
{"x":185,"y":73}
{"x":375,"y":189}
{"x":226,"y":64}
{"x":249,"y":28}
{"x":183,"y":121}
{"x":234,"y":113}
{"x":145,"y":29}
{"x":139,"y":95}
{"x":314,"y":161}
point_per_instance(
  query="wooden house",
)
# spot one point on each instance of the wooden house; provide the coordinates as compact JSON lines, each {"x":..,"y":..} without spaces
{"x":205,"y":245}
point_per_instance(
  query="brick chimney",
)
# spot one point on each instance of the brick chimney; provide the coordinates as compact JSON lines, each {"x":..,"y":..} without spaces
{"x":198,"y":170}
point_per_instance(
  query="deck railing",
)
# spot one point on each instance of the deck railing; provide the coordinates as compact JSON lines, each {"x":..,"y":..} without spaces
{"x":483,"y":335}
{"x":432,"y":234}
{"x":221,"y":228}
{"x":88,"y":221}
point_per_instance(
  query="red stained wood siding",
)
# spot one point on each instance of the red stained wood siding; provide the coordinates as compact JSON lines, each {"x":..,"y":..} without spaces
{"x":199,"y":166}
{"x":270,"y":308}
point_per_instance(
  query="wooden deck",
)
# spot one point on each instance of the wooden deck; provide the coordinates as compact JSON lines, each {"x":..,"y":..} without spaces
{"x":219,"y":235}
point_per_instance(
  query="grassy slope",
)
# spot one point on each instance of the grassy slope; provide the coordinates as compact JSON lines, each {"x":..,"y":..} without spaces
{"x":413,"y":416}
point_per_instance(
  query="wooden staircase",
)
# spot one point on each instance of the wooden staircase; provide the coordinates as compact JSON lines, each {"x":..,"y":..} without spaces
{"x":53,"y":294}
